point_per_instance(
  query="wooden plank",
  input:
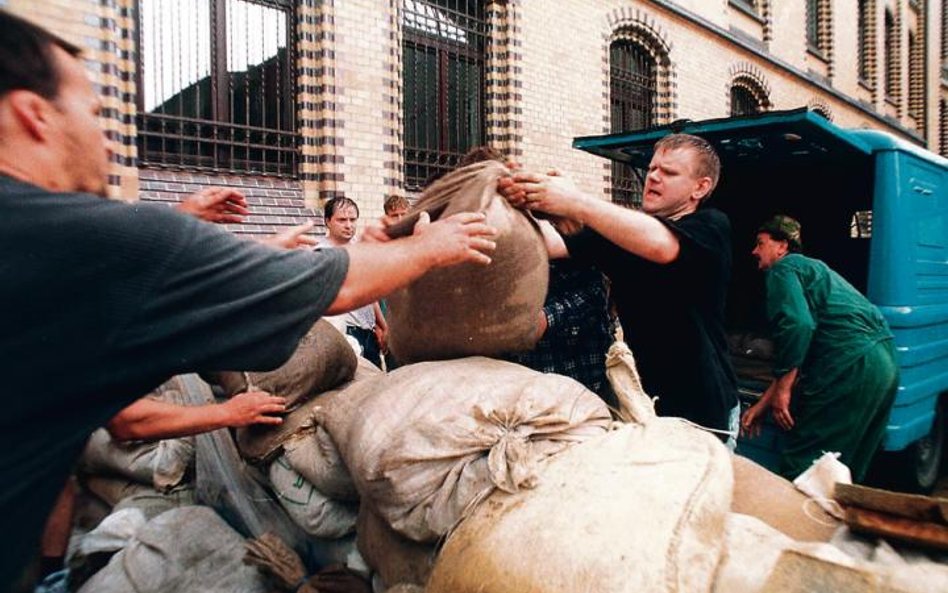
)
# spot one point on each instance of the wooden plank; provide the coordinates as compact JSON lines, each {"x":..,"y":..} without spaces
{"x":910,"y":506}
{"x":921,"y":533}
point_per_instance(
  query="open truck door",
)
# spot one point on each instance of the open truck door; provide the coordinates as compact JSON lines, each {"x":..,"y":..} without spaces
{"x":855,"y":193}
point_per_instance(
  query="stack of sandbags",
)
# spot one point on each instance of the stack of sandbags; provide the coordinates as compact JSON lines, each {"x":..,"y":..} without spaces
{"x":472,"y":309}
{"x":185,"y":549}
{"x":426,"y":441}
{"x":305,"y":471}
{"x":639,"y":509}
{"x":154,"y":473}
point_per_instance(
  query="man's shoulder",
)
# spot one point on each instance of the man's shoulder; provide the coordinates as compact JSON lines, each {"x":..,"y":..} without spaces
{"x":708,"y":215}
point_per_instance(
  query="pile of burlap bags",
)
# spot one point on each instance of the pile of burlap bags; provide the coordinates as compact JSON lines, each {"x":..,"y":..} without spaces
{"x":152,"y":476}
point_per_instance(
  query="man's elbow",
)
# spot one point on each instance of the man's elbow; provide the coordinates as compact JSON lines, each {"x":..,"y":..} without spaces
{"x":666,"y":253}
{"x":344,"y":302}
{"x":123,"y":429}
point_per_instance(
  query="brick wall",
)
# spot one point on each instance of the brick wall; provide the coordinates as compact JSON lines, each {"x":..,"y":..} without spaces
{"x":547,"y":82}
{"x":275,"y":204}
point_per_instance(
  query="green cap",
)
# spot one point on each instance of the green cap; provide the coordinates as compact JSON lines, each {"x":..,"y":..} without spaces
{"x":783,"y":228}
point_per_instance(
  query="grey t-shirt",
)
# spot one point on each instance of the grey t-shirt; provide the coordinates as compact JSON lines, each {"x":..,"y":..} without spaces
{"x":100,"y":302}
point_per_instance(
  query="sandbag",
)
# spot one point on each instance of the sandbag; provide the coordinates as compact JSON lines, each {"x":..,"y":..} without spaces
{"x":186,"y":549}
{"x":471,"y":309}
{"x":425,"y":441}
{"x":104,"y":456}
{"x":395,"y":558}
{"x":641,"y":509}
{"x":317,"y":459}
{"x":262,"y":443}
{"x":773,"y":499}
{"x":309,"y":508}
{"x":163,"y":464}
{"x":760,"y":559}
{"x":323,"y":360}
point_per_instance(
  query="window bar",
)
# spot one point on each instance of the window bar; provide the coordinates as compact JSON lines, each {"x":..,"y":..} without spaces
{"x":248,"y":120}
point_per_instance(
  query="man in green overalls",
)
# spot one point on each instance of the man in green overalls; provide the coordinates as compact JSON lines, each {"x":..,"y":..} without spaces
{"x":836,"y":342}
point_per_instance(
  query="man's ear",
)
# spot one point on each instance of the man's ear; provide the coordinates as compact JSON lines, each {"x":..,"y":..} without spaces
{"x":702,"y":189}
{"x":31,"y":111}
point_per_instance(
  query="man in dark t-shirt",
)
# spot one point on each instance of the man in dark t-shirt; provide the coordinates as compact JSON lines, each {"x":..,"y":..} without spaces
{"x":101,"y":301}
{"x":669,"y":266}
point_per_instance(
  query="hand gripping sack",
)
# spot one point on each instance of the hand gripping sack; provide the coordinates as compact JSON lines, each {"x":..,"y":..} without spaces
{"x":471,"y":309}
{"x":262,"y":443}
{"x":427,"y":440}
{"x":638,"y":510}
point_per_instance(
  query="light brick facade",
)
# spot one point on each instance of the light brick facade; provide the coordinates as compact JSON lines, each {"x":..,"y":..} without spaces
{"x":546,"y":82}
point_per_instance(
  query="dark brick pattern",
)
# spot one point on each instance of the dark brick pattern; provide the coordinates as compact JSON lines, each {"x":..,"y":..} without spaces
{"x":275,"y":204}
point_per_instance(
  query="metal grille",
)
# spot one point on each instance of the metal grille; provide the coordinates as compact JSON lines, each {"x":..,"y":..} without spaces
{"x":943,"y":128}
{"x":916,"y":75}
{"x":743,"y":101}
{"x":891,"y":57}
{"x":217,"y":85}
{"x":814,"y":33}
{"x":632,"y":82}
{"x":862,"y":43}
{"x":443,"y":73}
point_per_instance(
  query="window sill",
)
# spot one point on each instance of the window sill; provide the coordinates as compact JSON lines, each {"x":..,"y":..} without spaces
{"x":866,"y":85}
{"x":747,"y":9}
{"x":816,"y":53}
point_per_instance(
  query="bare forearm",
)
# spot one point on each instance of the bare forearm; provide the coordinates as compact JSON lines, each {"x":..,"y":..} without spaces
{"x":150,"y":420}
{"x":633,"y":231}
{"x":376,"y":270}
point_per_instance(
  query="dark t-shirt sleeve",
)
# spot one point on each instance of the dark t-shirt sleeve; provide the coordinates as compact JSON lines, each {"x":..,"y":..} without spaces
{"x":221,"y":303}
{"x":703,"y":238}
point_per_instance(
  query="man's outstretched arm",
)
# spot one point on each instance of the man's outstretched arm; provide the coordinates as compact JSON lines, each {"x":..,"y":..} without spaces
{"x":379,"y":268}
{"x":152,"y":420}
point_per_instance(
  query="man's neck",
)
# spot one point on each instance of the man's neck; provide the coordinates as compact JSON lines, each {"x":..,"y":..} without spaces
{"x":337,"y":242}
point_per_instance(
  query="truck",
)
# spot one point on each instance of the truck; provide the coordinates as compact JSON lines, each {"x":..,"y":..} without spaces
{"x":874,"y":207}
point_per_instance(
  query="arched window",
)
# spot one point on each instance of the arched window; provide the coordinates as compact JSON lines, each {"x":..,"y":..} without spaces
{"x":632,"y":91}
{"x":443,"y":54}
{"x":747,"y":96}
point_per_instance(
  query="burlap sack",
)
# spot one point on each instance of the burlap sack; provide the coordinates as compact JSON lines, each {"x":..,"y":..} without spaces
{"x":262,"y":443}
{"x":759,"y":559}
{"x":163,"y":464}
{"x":317,"y":459}
{"x":772,"y":499}
{"x":472,"y":309}
{"x":425,"y":441}
{"x":186,"y":549}
{"x":641,"y":509}
{"x":317,"y":514}
{"x":395,"y":558}
{"x":322,"y":361}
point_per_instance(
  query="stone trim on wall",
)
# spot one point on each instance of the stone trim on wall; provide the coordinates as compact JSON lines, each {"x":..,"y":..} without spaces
{"x":394,"y":131}
{"x":748,"y":76}
{"x":641,"y":28}
{"x":503,"y":78}
{"x":821,"y":108}
{"x":317,"y":101}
